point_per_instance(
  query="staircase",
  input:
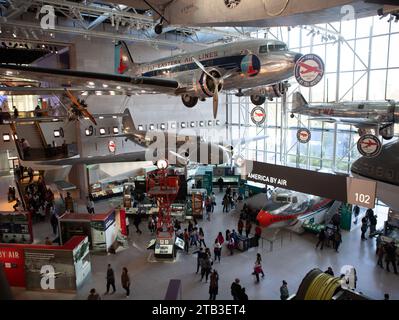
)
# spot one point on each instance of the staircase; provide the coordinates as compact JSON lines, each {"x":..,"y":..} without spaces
{"x":332,"y":210}
{"x":31,"y":133}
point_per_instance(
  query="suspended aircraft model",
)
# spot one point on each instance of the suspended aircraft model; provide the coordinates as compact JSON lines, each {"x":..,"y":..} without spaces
{"x":79,"y":108}
{"x":362,"y":114}
{"x":257,"y":64}
{"x":177,"y":149}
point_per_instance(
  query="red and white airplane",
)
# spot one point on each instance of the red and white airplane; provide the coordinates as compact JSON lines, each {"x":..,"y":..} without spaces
{"x":290,"y":209}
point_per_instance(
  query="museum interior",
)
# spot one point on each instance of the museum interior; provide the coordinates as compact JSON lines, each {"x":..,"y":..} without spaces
{"x":199,"y":150}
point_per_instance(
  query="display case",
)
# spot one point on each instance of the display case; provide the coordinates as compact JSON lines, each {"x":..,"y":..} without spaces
{"x":100,"y":191}
{"x":178,"y":211}
{"x":16,"y":227}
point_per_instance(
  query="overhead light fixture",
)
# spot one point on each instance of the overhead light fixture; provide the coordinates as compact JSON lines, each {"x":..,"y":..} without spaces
{"x":57,"y":133}
{"x":100,"y":117}
{"x":90,"y":83}
{"x":15,"y":137}
{"x":102,"y":131}
{"x":105,"y":85}
{"x":9,"y":73}
{"x":114,"y":117}
{"x":14,"y":33}
{"x":6,"y":137}
{"x":112,"y":93}
{"x":99,"y":93}
{"x":118,"y":87}
{"x":55,"y":120}
{"x":115,"y":130}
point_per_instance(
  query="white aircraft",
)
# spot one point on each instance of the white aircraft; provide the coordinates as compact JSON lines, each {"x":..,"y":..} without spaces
{"x":254,"y":64}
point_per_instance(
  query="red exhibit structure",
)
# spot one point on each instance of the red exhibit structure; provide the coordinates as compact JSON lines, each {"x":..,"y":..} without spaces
{"x":164,"y":190}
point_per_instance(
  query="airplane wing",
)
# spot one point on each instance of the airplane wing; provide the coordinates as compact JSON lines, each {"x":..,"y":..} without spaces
{"x":64,"y":78}
{"x":359,"y":123}
{"x":111,"y":158}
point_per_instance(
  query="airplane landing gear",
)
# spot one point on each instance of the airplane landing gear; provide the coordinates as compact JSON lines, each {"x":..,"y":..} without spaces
{"x":258,"y":100}
{"x":158,"y":28}
{"x":387,"y":132}
{"x":189,"y":101}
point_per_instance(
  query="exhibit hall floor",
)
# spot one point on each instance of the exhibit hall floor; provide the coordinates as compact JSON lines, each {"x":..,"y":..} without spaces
{"x":291,"y":257}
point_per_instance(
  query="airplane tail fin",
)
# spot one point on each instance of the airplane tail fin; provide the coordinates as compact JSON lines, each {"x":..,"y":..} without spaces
{"x":298,"y":102}
{"x":127,"y":122}
{"x":123,"y":59}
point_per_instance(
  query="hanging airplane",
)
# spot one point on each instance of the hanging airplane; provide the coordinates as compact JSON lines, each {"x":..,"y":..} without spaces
{"x":177,"y":149}
{"x":262,"y":64}
{"x":362,"y":114}
{"x":261,"y":13}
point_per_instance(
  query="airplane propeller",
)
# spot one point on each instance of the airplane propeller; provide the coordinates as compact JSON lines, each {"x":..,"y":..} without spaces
{"x":217,"y":82}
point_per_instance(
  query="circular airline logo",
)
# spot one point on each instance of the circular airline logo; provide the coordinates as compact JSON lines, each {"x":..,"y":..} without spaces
{"x":111,"y":146}
{"x":303,"y":135}
{"x":369,"y":146}
{"x":231,"y":4}
{"x":240,"y":161}
{"x":250,"y":65}
{"x":309,"y":70}
{"x":258,"y":115}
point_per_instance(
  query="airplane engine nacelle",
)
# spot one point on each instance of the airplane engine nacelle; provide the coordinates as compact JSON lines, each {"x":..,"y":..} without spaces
{"x":274,"y":91}
{"x":204,"y":85}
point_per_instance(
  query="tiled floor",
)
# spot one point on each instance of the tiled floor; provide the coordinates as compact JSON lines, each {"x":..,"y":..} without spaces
{"x":291,"y":258}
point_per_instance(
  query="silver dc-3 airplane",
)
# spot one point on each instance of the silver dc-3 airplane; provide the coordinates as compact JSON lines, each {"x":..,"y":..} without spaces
{"x":258,"y":65}
{"x":362,"y":114}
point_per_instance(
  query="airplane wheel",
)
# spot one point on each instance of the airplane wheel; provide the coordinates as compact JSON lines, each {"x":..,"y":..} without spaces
{"x":258,"y":100}
{"x":189,"y":101}
{"x":158,"y":28}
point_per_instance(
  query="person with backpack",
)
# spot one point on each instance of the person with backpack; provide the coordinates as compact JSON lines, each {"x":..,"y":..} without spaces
{"x":213,"y":285}
{"x":364,"y":228}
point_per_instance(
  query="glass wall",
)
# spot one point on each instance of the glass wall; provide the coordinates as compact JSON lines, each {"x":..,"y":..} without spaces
{"x":361,"y":64}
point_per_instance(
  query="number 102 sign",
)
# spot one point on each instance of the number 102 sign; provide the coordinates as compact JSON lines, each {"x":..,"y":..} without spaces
{"x":361,"y":192}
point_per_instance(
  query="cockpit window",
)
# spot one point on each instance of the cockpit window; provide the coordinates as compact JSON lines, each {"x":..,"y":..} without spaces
{"x":263,"y":49}
{"x":277,"y":47}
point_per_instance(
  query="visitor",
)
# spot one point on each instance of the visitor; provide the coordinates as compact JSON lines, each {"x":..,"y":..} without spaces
{"x":217,"y":250}
{"x":248,"y":227}
{"x":213,"y":285}
{"x":386,"y":296}
{"x":258,"y":267}
{"x":220,"y":183}
{"x":151,"y":225}
{"x":54,"y":222}
{"x":364,"y":228}
{"x":373,"y":225}
{"x":38,"y":111}
{"x":337,"y":240}
{"x":206,"y":267}
{"x":125,"y":280}
{"x":69,"y":203}
{"x":25,"y":148}
{"x":213,"y":201}
{"x":329,"y":271}
{"x":93,"y":295}
{"x":228,"y":235}
{"x":201,"y":237}
{"x":231,"y":245}
{"x":137,"y":221}
{"x":90,"y":205}
{"x":356,"y":211}
{"x":16,"y":112}
{"x":380,"y":255}
{"x":390,"y":256}
{"x":240,"y":226}
{"x":208,"y":208}
{"x":110,"y":279}
{"x":16,"y":205}
{"x":322,"y":239}
{"x":225,"y":203}
{"x":194,"y":237}
{"x":220,"y":238}
{"x":186,"y":238}
{"x":284,"y":291}
{"x":200,"y":255}
{"x":236,"y":289}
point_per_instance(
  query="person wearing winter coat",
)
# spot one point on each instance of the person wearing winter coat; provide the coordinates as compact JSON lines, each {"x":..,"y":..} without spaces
{"x":213,"y":285}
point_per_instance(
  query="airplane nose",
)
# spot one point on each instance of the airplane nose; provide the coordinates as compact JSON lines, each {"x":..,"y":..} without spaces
{"x":297,"y":57}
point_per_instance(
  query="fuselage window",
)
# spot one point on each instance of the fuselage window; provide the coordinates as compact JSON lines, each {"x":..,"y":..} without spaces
{"x":263,"y":49}
{"x":277,"y":47}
